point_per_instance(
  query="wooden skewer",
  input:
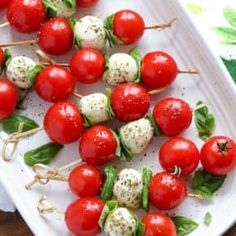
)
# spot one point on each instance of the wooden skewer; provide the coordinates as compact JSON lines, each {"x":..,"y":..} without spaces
{"x":26,"y":42}
{"x":187,"y":72}
{"x":160,"y":26}
{"x":4,"y":24}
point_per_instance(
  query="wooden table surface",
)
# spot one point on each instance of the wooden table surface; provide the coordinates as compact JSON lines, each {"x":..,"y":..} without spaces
{"x":12,"y":224}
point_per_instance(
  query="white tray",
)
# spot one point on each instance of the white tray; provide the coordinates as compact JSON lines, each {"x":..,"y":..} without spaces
{"x":213,"y":86}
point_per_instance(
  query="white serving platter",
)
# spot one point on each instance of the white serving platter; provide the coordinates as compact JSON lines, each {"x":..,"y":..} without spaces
{"x":213,"y":85}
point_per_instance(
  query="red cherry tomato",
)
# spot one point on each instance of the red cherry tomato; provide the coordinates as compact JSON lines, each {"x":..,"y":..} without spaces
{"x":55,"y":36}
{"x":54,"y":84}
{"x":98,"y":145}
{"x":82,"y":216}
{"x":128,"y":26}
{"x":158,"y":70}
{"x":158,"y":224}
{"x":8,"y":98}
{"x":173,"y":116}
{"x":167,"y":191}
{"x":87,"y":65}
{"x":129,"y":102}
{"x":218,"y":155}
{"x":4,"y":3}
{"x":1,"y":56}
{"x":179,"y":152}
{"x":87,"y":3}
{"x":85,"y":181}
{"x":26,"y":16}
{"x":63,"y":122}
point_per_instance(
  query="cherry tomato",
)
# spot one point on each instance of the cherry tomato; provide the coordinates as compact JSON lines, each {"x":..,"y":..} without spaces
{"x":218,"y":155}
{"x":4,"y":3}
{"x":8,"y":98}
{"x":26,"y":16}
{"x":63,"y":122}
{"x":167,"y":191}
{"x":85,"y":181}
{"x":55,"y":36}
{"x":158,"y":70}
{"x":87,"y":65}
{"x":158,"y":224}
{"x":82,"y":216}
{"x":179,"y":152}
{"x":87,"y":3}
{"x":54,"y":84}
{"x":1,"y":56}
{"x":128,"y":26}
{"x":129,"y":102}
{"x":98,"y":145}
{"x":173,"y":116}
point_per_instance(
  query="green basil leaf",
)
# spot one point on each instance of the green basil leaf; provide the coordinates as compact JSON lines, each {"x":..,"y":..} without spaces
{"x":206,"y":184}
{"x":88,"y":121}
{"x":11,"y":124}
{"x":231,"y":67}
{"x":34,"y":72}
{"x":204,"y":121}
{"x":156,"y":129}
{"x":230,"y":16}
{"x":106,"y":71}
{"x":50,"y":7}
{"x":195,"y":8}
{"x":184,"y":226}
{"x":43,"y":154}
{"x":147,"y":175}
{"x":140,"y":227}
{"x":110,"y":174}
{"x":207,"y":218}
{"x":108,"y":107}
{"x":6,"y":60}
{"x":72,"y":25}
{"x":109,"y":207}
{"x":135,"y":53}
{"x":70,"y":3}
{"x":108,"y":26}
{"x":226,"y":32}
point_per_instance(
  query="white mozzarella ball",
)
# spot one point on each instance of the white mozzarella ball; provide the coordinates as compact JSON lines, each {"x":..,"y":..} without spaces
{"x":94,"y":106}
{"x":90,"y":32}
{"x":128,"y":188}
{"x":63,"y":10}
{"x":18,"y":69}
{"x":121,"y":68}
{"x":136,"y":135}
{"x":120,"y":223}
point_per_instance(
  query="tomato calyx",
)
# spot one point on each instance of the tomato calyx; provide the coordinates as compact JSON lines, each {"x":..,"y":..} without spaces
{"x":6,"y":60}
{"x":108,"y":26}
{"x":156,"y":129}
{"x":223,"y":147}
{"x":135,"y":53}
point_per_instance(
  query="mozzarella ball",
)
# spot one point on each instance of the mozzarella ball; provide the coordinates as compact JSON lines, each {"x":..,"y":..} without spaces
{"x":94,"y":106}
{"x":62,"y":9}
{"x":136,"y":135}
{"x":128,"y":188}
{"x":120,"y":223}
{"x":90,"y":32}
{"x":18,"y":69}
{"x":121,"y":68}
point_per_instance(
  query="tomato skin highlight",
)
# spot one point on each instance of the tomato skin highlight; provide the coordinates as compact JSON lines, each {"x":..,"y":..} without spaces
{"x":129,"y":102}
{"x":82,"y":216}
{"x":215,"y":160}
{"x":173,"y":116}
{"x":128,"y":26}
{"x":55,"y":36}
{"x":179,"y":152}
{"x":1,"y":56}
{"x":98,"y":146}
{"x":63,"y":123}
{"x":85,"y":181}
{"x":26,"y":16}
{"x":87,"y":65}
{"x":158,"y":70}
{"x":4,"y":3}
{"x":54,"y":84}
{"x":87,"y":3}
{"x":8,"y":98}
{"x":167,"y":191}
{"x":158,"y":224}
